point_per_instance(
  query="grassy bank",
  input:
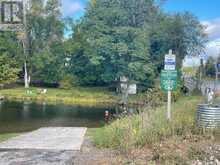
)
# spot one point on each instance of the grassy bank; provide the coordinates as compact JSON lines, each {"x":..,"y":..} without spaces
{"x":150,"y":127}
{"x":149,"y":137}
{"x":4,"y":137}
{"x":71,"y":96}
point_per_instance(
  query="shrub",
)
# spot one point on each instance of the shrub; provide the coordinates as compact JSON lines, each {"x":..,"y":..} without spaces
{"x":153,"y":97}
{"x":68,"y":82}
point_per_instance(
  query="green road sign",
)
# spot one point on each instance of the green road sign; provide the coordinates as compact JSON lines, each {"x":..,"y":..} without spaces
{"x":168,"y":80}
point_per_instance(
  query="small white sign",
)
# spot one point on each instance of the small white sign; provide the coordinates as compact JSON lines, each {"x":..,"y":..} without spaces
{"x":132,"y":89}
{"x":170,"y":61}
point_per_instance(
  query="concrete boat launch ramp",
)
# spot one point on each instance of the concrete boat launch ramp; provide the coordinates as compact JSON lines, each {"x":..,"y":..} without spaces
{"x":48,"y":139}
{"x":45,"y":146}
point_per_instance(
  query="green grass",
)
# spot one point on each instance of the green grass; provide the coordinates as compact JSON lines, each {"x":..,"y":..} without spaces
{"x":149,"y":127}
{"x":4,"y":137}
{"x":75,"y":95}
{"x":190,"y":70}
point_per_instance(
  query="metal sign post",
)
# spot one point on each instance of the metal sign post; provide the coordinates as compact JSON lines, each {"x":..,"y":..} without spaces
{"x":169,"y":105}
{"x":168,"y":83}
{"x":168,"y":79}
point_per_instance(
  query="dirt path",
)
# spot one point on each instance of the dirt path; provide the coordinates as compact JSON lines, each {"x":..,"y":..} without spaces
{"x":90,"y":155}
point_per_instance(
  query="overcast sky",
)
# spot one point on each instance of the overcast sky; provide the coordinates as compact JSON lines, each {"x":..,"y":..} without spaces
{"x":207,"y":12}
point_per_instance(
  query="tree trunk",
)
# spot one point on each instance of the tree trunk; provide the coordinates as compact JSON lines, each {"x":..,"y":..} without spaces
{"x":26,"y":79}
{"x":25,"y":46}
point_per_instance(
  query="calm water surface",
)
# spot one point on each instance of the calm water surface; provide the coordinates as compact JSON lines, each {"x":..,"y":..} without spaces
{"x":27,"y":116}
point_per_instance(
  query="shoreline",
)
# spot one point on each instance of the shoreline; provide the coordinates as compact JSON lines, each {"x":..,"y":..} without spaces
{"x":65,"y":101}
{"x":74,"y":96}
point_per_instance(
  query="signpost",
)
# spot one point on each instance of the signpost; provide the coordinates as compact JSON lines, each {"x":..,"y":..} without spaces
{"x":168,"y":79}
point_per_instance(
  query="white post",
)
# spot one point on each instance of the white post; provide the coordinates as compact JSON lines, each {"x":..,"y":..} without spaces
{"x":26,"y":83}
{"x":25,"y":44}
{"x":169,"y":105}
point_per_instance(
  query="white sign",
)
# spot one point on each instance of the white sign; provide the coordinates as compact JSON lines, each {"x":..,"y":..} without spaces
{"x":132,"y":89}
{"x":170,"y":61}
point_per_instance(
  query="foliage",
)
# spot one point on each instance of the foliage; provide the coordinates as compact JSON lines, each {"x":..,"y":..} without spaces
{"x":153,"y":97}
{"x":10,"y":57}
{"x":45,"y":41}
{"x":68,"y":82}
{"x":182,"y":33}
{"x":210,"y":67}
{"x":109,"y":44}
{"x":150,"y":126}
{"x":8,"y":70}
{"x":129,"y":38}
{"x":113,"y":39}
{"x":75,"y":95}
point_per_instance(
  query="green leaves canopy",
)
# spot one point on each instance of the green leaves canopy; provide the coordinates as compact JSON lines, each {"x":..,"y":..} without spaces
{"x":8,"y":69}
{"x":10,"y":57}
{"x":45,"y":38}
{"x":129,"y":38}
{"x":112,"y":40}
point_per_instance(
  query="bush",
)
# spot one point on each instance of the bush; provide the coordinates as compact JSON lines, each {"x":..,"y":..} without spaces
{"x":153,"y":97}
{"x":68,"y":82}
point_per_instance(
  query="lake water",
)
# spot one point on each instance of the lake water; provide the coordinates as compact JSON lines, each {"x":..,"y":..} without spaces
{"x":27,"y":116}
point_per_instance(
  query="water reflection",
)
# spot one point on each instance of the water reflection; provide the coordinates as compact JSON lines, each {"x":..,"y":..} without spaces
{"x":27,"y":116}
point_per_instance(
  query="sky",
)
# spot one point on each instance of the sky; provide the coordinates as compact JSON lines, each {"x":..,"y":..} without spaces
{"x":207,"y":11}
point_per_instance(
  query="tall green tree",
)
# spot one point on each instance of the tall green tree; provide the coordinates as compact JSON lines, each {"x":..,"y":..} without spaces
{"x":45,"y":38}
{"x":112,"y":40}
{"x":10,"y":57}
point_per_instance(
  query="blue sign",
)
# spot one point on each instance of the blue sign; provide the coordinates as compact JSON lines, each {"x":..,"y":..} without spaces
{"x":170,"y":63}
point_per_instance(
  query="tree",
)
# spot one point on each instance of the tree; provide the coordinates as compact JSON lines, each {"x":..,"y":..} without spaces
{"x":210,"y":67}
{"x":10,"y":57}
{"x":182,"y":33}
{"x":45,"y":41}
{"x":130,"y":38}
{"x":112,"y":41}
{"x":8,"y":69}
